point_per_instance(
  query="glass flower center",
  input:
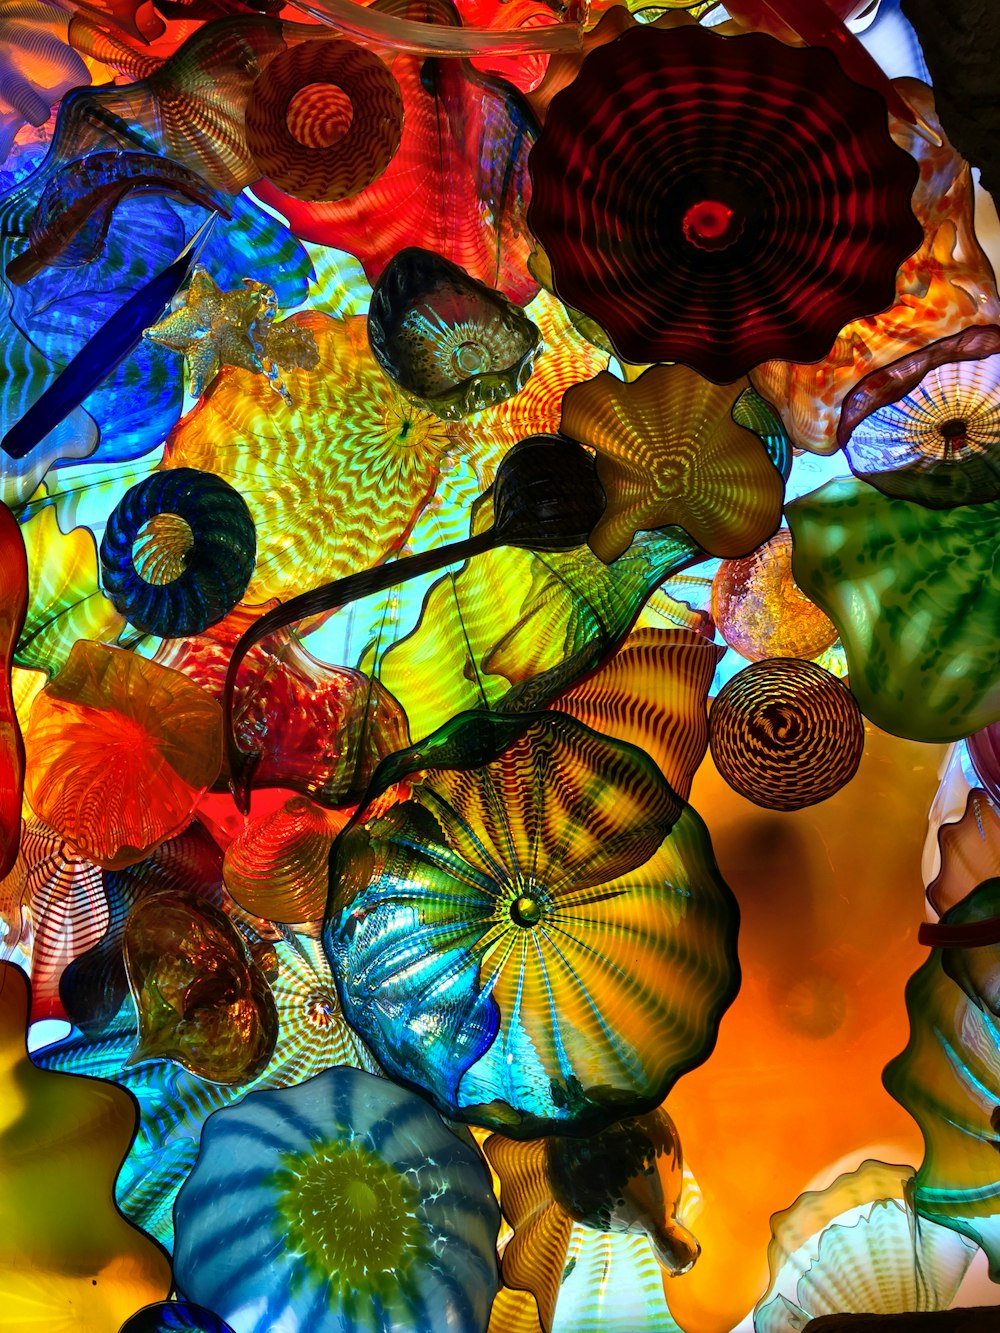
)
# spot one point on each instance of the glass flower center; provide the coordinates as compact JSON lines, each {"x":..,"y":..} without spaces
{"x":526,"y":911}
{"x":952,"y":429}
{"x":710,"y":224}
{"x":349,"y":1212}
{"x":470,"y":358}
{"x":319,"y":115}
{"x":161,"y":547}
{"x":320,"y":1010}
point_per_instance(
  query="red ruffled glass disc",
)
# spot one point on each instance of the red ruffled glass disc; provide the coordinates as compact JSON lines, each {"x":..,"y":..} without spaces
{"x":457,"y":183}
{"x":744,"y":207}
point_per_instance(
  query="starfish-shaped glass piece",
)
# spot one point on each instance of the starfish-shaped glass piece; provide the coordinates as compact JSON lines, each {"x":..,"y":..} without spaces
{"x":213,"y":328}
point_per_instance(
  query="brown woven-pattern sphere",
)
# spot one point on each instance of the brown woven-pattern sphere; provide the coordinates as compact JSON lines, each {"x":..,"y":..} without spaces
{"x":786,"y":734}
{"x":321,"y":148}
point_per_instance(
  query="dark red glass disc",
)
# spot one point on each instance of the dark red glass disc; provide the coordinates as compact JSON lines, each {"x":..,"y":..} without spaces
{"x":720,"y":201}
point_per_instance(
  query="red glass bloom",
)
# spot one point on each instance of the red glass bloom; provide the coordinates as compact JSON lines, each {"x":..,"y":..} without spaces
{"x":720,"y":200}
{"x":457,"y":183}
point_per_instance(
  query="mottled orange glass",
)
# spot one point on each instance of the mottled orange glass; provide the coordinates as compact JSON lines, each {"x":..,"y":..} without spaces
{"x":945,"y":286}
{"x":760,"y":610}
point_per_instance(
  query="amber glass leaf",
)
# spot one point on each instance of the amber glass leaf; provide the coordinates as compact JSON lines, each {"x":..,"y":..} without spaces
{"x":669,"y":452}
{"x":653,"y":694}
{"x":277,"y":866}
{"x":71,"y":1262}
{"x":970,"y":852}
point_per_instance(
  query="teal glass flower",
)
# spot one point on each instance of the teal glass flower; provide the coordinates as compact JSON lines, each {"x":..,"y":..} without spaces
{"x":530,"y":926}
{"x":339,"y":1205}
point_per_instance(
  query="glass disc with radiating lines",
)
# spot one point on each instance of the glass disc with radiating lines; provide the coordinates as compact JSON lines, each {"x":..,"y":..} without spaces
{"x":536,"y":936}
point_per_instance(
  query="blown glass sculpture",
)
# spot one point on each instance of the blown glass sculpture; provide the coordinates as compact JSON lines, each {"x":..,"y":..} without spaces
{"x":120,"y":752}
{"x":94,"y":985}
{"x":625,"y":1180}
{"x":213,"y":328}
{"x":347,"y":1206}
{"x":708,"y":218}
{"x":785,"y":733}
{"x":445,"y":444}
{"x":856,"y":1247}
{"x":301,"y":144}
{"x":178,"y":553}
{"x":529,"y":926}
{"x":62,"y":1140}
{"x":760,"y":610}
{"x":454,"y":343}
{"x":871,"y":563}
{"x":201,"y":999}
{"x":927,"y":428}
{"x":669,"y":452}
{"x":947,"y":1075}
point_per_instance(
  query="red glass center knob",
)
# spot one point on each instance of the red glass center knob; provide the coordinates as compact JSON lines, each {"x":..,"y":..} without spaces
{"x":711,"y":225}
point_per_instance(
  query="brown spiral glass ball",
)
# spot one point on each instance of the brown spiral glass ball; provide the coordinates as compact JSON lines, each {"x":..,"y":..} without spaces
{"x":786,"y":734}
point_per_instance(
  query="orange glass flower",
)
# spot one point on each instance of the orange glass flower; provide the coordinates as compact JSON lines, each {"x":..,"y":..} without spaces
{"x":670,"y":453}
{"x":120,"y":750}
{"x":760,"y":610}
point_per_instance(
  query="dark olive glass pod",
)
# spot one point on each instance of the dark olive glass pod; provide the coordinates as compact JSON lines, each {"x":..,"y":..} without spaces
{"x":452,"y":343}
{"x":546,"y":495}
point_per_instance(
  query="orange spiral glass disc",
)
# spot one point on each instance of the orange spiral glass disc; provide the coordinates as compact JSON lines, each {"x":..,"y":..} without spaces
{"x":786,"y":734}
{"x":289,"y":141}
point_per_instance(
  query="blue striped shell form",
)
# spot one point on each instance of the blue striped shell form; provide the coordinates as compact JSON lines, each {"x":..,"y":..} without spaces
{"x":215,"y":569}
{"x":340,"y":1205}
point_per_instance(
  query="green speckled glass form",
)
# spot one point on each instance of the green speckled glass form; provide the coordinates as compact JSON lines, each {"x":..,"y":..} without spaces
{"x":948,"y":1077}
{"x":915,"y":596}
